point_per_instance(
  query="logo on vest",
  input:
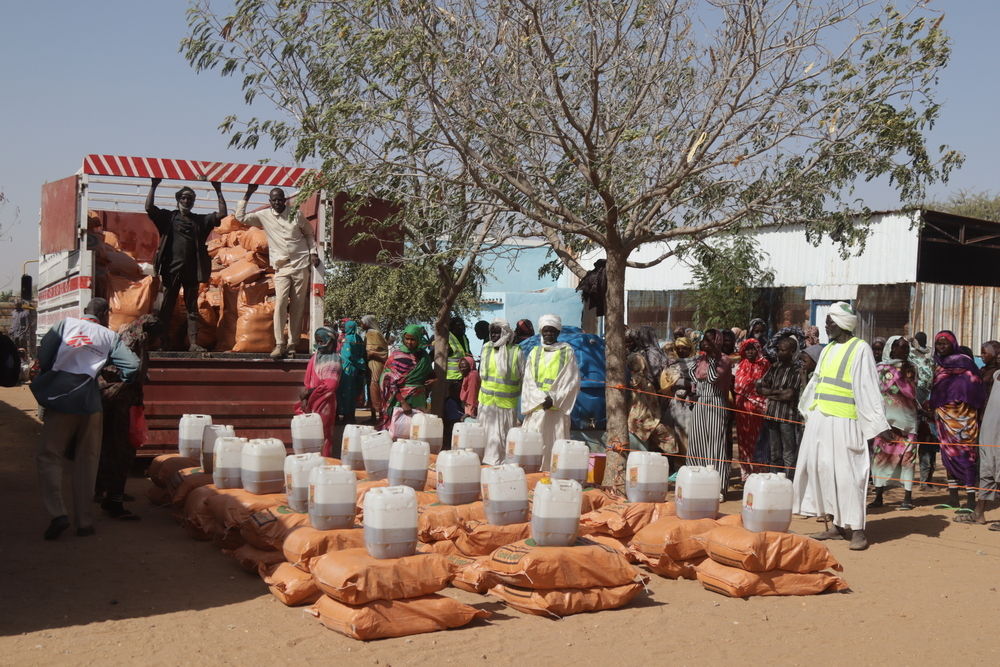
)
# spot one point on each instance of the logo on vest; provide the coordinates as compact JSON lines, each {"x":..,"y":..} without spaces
{"x":80,"y":340}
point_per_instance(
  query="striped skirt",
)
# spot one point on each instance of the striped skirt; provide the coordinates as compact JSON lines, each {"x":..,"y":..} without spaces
{"x":707,"y":436}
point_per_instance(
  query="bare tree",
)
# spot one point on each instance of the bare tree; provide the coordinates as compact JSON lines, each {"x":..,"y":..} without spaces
{"x":612,"y":124}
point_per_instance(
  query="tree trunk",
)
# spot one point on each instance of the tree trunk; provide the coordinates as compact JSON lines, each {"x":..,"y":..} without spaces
{"x":614,"y":341}
{"x":439,"y":391}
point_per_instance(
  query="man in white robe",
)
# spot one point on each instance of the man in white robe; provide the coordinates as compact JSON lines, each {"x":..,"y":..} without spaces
{"x":551,"y":385}
{"x":843,"y":411}
{"x":501,"y":372}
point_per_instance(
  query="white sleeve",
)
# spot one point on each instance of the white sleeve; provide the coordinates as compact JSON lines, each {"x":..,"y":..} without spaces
{"x":531,"y":395}
{"x":567,"y":385}
{"x":241,"y":214}
{"x":867,"y":397}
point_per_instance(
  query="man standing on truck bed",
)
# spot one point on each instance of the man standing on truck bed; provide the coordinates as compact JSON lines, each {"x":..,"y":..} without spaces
{"x":182,"y":257}
{"x":71,"y":355}
{"x":291,"y":249}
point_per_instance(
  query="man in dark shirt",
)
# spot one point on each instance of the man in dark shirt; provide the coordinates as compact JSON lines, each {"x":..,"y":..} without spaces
{"x":780,"y":386}
{"x":182,"y":259}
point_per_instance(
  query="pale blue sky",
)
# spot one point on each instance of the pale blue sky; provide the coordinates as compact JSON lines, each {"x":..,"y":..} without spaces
{"x":106,"y":77}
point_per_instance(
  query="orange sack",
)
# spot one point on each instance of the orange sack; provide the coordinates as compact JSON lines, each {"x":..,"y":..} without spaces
{"x":230,"y":224}
{"x":290,"y":585}
{"x":128,"y":300}
{"x":623,"y":519}
{"x":443,"y":522}
{"x":253,"y":559}
{"x":305,"y":543}
{"x":185,"y":481}
{"x":231,"y":507}
{"x":395,"y":618}
{"x":680,"y":539}
{"x":255,"y":328}
{"x":479,"y":538}
{"x":586,"y":564}
{"x":196,"y":518}
{"x":227,"y":256}
{"x":163,"y":467}
{"x":766,"y":551}
{"x":240,"y":271}
{"x":354,"y":577}
{"x":566,"y":601}
{"x":471,"y":574}
{"x":443,"y":547}
{"x":737,"y":583}
{"x":268,"y":528}
{"x":254,"y":240}
{"x":595,"y":499}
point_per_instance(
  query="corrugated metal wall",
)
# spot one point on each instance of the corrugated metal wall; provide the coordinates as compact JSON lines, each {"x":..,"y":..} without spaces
{"x":972,"y":312}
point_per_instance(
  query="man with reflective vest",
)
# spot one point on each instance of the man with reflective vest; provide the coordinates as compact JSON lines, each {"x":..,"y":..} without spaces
{"x":458,"y":348}
{"x":551,"y":385}
{"x":501,"y":371}
{"x":843,"y":410}
{"x":71,"y":355}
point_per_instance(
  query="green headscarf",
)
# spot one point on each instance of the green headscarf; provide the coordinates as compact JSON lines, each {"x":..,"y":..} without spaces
{"x":417,"y":332}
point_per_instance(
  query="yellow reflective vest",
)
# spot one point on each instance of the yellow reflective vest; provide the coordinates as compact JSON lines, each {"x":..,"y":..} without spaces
{"x":504,"y":391}
{"x":545,"y":368}
{"x":460,"y":349}
{"x":835,"y":380}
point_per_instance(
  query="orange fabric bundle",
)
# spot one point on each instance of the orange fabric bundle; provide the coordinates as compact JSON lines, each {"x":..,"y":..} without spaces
{"x":268,"y":528}
{"x":680,"y":539}
{"x":129,"y":300}
{"x":766,"y":551}
{"x":254,"y":240}
{"x":737,"y":583}
{"x":230,"y":224}
{"x":623,"y":519}
{"x":395,"y":618}
{"x":157,"y":496}
{"x":471,"y":574}
{"x":305,"y":543}
{"x":595,"y":499}
{"x":163,"y":467}
{"x":479,"y":538}
{"x":227,"y":256}
{"x":225,"y":334}
{"x":586,"y":564}
{"x":354,"y":577}
{"x":112,"y":240}
{"x":566,"y":601}
{"x":730,"y":520}
{"x":290,"y":585}
{"x":363,"y":487}
{"x":618,"y":544}
{"x":443,"y":547}
{"x":231,"y":507}
{"x":253,"y":559}
{"x":240,"y":271}
{"x":443,"y":522}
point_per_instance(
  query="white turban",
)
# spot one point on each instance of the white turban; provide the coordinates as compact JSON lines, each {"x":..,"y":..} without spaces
{"x":505,"y":332}
{"x":550,"y":321}
{"x":843,"y":316}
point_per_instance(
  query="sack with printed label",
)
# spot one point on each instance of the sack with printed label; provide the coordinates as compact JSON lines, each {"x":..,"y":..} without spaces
{"x":354,"y":577}
{"x":268,"y":528}
{"x":766,"y":551}
{"x":470,"y":574}
{"x":585,"y":564}
{"x":163,"y":467}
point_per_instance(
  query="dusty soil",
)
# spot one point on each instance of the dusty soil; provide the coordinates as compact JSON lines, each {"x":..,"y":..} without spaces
{"x":144,"y":593}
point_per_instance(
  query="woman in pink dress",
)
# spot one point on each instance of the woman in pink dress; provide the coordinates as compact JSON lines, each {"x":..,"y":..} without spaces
{"x":319,"y":394}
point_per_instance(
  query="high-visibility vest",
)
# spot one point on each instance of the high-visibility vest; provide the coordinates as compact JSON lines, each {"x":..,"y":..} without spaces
{"x":457,"y":347}
{"x":545,"y":371}
{"x":505,"y":391}
{"x":835,"y":387}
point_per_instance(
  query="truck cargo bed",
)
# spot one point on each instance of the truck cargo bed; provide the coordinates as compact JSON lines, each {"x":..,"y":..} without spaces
{"x":250,"y":391}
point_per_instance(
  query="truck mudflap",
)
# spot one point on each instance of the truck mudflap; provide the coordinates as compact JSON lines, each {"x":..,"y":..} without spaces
{"x":250,"y":391}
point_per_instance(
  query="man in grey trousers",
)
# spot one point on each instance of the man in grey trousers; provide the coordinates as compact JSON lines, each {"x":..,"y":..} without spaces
{"x":71,"y":355}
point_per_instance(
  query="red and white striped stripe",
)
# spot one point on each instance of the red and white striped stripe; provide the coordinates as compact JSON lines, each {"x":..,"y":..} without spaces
{"x":191,"y":170}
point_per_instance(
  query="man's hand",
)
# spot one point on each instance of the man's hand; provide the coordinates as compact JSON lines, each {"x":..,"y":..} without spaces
{"x":547,"y":403}
{"x":251,"y":188}
{"x":155,"y":181}
{"x":315,"y":260}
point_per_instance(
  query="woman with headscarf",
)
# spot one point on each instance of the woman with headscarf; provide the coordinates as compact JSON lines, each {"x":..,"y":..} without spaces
{"x":708,"y":435}
{"x":812,"y":335}
{"x":878,"y":346}
{"x":677,"y":382}
{"x":752,"y":406}
{"x":409,"y":371}
{"x":757,"y":329}
{"x":645,"y":416}
{"x":647,"y":344}
{"x":991,"y":364}
{"x":523,"y":330}
{"x":893,"y":459}
{"x":771,"y":347}
{"x":464,"y":403}
{"x":322,"y":379}
{"x":352,"y":380}
{"x":501,"y":371}
{"x":376,"y":353}
{"x":956,"y":398}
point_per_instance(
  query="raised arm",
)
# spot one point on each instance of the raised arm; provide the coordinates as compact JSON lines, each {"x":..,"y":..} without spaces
{"x":241,"y":208}
{"x":151,"y":197}
{"x":223,"y":210}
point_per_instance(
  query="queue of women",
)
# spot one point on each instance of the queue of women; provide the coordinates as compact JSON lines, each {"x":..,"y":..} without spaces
{"x":698,"y":394}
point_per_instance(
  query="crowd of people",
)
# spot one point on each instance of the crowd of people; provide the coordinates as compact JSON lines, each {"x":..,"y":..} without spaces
{"x":701,"y":392}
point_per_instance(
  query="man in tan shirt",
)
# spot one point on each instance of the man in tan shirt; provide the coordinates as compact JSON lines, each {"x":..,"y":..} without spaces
{"x":291,"y":249}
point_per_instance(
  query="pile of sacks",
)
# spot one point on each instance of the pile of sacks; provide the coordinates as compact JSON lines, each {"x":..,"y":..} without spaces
{"x":235,"y":308}
{"x":729,"y":559}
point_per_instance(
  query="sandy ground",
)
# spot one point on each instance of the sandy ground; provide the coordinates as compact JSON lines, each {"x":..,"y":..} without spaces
{"x":144,"y":593}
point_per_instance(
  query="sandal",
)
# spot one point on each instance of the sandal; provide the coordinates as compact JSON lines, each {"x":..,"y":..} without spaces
{"x":994,"y":526}
{"x":904,"y":507}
